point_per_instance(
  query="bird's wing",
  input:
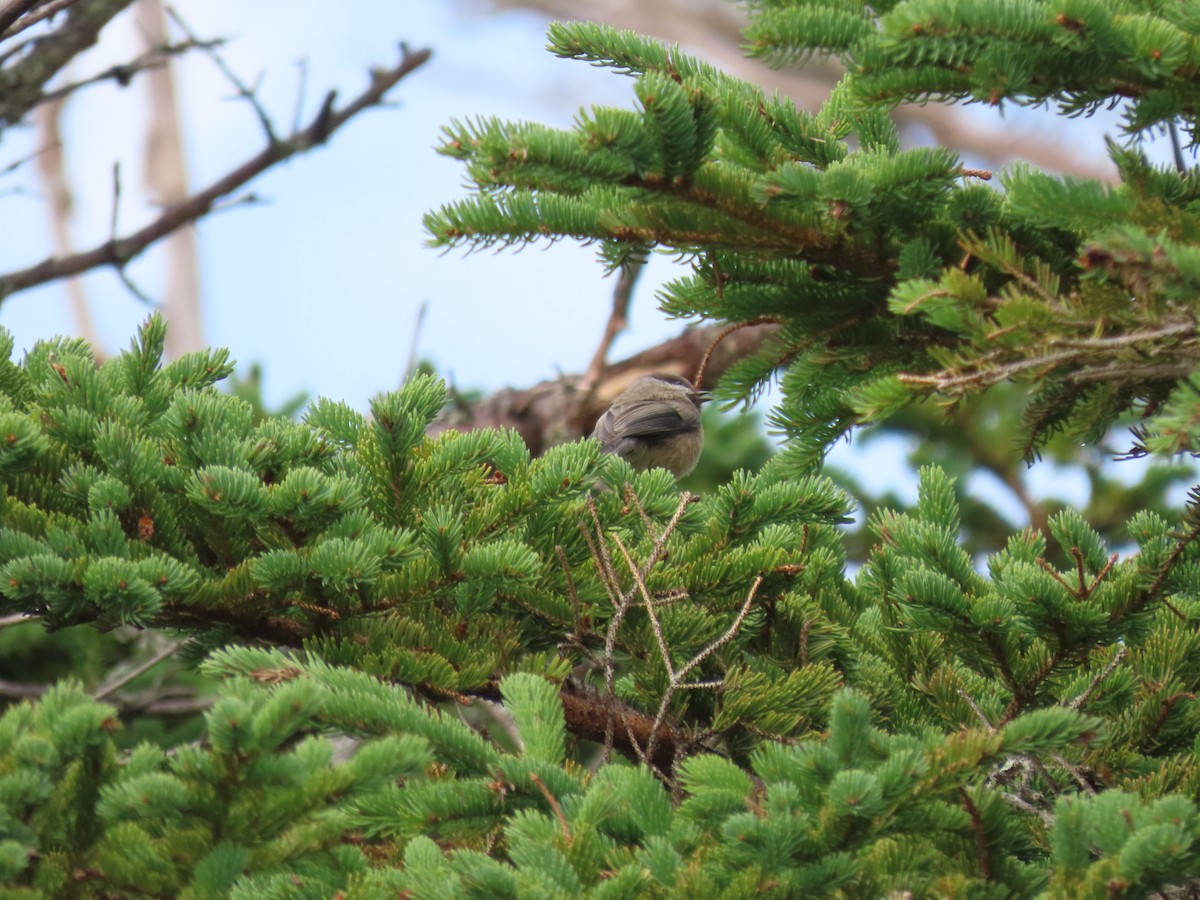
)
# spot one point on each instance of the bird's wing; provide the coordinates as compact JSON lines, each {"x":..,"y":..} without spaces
{"x":638,"y":420}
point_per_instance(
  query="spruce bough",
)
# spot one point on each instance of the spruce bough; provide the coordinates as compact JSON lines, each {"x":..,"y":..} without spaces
{"x":691,"y":696}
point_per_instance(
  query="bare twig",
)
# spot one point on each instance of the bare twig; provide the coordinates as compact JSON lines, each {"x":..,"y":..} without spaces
{"x":18,"y":619}
{"x":677,"y":677}
{"x":1025,"y":806}
{"x":1177,"y":147}
{"x":247,"y":93}
{"x":975,"y":708}
{"x":554,"y":805}
{"x":49,"y":10}
{"x":130,"y":284}
{"x":411,"y":365}
{"x":123,"y":73}
{"x":121,"y":251}
{"x":115,"y":685}
{"x":17,"y":690}
{"x":698,"y":378}
{"x":301,"y":94}
{"x":1074,"y":771}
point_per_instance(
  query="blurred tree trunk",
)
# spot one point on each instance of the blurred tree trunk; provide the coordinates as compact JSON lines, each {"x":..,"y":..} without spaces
{"x":166,"y":180}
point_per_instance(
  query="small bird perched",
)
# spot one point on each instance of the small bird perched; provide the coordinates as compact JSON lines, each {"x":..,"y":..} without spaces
{"x":655,"y":422}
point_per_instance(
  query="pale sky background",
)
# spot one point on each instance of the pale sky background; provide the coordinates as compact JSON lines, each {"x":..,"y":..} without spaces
{"x":323,"y":282}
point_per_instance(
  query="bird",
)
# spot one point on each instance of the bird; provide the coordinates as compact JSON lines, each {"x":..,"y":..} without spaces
{"x":655,"y":422}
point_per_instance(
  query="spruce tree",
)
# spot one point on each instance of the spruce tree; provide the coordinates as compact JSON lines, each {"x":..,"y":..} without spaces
{"x":449,"y":669}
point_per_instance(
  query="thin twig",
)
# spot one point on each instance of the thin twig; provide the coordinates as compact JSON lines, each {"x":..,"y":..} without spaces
{"x":249,"y":94}
{"x":729,"y":634}
{"x":13,"y":11}
{"x":301,"y":94}
{"x":1177,"y":147}
{"x":1074,"y":771}
{"x":554,"y":805}
{"x":975,"y":708}
{"x":1024,"y":805}
{"x":41,"y":57}
{"x":116,"y":201}
{"x":123,"y":73}
{"x":114,"y":686}
{"x":18,"y":619}
{"x":705,"y":652}
{"x":655,"y":625}
{"x":698,"y":379}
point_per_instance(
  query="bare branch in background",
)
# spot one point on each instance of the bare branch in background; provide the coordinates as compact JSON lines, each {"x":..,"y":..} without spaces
{"x":124,"y":73}
{"x":118,"y":252}
{"x":247,"y":93}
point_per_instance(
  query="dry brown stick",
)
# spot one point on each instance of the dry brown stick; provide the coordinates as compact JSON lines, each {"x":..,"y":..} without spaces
{"x":678,"y":676}
{"x":118,"y":252}
{"x":554,"y":805}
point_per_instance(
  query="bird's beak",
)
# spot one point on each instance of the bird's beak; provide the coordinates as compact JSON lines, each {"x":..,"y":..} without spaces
{"x":701,"y":396}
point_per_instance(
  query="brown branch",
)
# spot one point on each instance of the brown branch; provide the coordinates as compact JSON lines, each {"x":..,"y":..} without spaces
{"x":24,"y":81}
{"x":618,"y":321}
{"x":118,"y":252}
{"x":48,"y":10}
{"x":588,"y":714}
{"x":13,"y":11}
